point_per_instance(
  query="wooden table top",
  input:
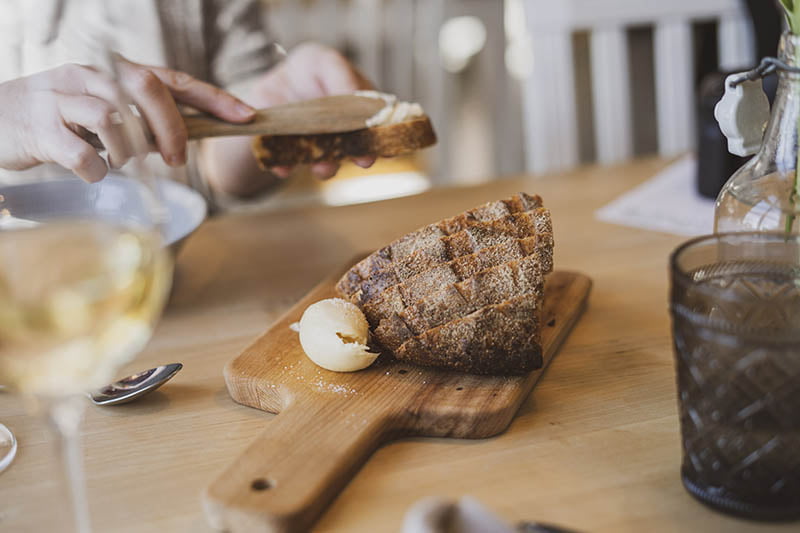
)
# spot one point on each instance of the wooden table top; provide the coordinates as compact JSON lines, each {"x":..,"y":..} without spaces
{"x":596,"y":447}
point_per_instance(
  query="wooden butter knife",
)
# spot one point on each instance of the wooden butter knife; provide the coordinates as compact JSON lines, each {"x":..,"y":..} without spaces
{"x":331,"y":114}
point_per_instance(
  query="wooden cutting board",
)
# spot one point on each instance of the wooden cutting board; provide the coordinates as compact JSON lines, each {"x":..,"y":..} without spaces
{"x":330,"y":423}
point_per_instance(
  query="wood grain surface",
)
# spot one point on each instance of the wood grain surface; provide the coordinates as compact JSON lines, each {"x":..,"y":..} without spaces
{"x":595,"y":448}
{"x":333,"y":421}
{"x":331,"y":114}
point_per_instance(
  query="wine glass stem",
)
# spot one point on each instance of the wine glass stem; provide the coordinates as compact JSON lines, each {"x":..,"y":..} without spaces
{"x":65,"y":416}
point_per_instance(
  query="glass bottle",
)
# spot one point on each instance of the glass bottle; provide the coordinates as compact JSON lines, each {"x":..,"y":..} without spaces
{"x":761,"y":196}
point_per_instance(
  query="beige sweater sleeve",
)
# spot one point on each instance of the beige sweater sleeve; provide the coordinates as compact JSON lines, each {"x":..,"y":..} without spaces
{"x":239,"y":45}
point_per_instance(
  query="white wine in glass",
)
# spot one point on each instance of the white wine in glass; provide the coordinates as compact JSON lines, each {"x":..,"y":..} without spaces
{"x":78,"y":298}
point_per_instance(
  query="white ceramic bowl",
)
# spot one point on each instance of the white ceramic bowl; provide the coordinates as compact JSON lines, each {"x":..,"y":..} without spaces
{"x":115,"y":198}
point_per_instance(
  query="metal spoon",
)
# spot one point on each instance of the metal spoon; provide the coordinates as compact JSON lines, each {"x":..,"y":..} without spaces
{"x":132,"y":387}
{"x":135,"y":386}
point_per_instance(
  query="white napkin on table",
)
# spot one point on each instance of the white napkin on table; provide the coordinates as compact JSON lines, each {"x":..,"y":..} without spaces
{"x":668,"y":202}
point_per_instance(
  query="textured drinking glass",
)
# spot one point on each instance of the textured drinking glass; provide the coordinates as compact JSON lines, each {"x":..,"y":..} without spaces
{"x":735,"y":306}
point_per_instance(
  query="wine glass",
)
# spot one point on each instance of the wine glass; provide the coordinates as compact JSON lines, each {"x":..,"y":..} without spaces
{"x":80,"y":292}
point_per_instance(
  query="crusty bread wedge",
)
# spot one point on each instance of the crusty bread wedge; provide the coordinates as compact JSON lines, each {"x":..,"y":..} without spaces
{"x":465,"y":293}
{"x":380,"y":141}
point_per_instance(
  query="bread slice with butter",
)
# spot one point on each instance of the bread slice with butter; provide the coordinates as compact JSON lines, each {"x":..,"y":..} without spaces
{"x":399,"y":128}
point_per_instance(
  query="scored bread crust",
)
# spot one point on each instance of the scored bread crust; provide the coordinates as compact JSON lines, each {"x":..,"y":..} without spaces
{"x":489,"y":287}
{"x":396,"y":298}
{"x":380,"y":141}
{"x":497,"y":339}
{"x":438,"y":258}
{"x":425,"y":247}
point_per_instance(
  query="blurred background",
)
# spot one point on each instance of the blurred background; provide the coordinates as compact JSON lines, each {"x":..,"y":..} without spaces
{"x":536,"y":86}
{"x":528,"y":86}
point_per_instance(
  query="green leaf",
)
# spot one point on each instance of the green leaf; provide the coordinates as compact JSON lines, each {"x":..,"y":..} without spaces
{"x":792,"y":8}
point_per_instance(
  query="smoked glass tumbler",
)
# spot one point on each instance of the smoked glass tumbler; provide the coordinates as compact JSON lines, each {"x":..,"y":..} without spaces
{"x":735,"y":305}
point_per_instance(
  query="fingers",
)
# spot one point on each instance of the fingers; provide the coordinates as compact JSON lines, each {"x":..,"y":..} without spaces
{"x":100,"y":118}
{"x":75,"y":154}
{"x":157,"y":106}
{"x":364,"y":162}
{"x":151,"y":96}
{"x":204,"y":96}
{"x":282,"y":172}
{"x":324,"y":171}
{"x":154,"y":90}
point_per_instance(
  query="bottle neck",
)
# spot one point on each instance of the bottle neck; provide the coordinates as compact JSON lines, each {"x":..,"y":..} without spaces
{"x":781,"y":136}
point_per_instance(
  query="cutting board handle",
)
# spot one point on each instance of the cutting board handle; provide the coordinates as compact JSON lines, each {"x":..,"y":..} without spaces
{"x":286,"y":478}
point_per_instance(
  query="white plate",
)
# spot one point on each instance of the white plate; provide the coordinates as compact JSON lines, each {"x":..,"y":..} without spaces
{"x":115,"y":198}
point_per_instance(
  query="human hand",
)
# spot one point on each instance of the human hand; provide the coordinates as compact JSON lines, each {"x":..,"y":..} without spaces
{"x":46,"y":116}
{"x":310,"y":71}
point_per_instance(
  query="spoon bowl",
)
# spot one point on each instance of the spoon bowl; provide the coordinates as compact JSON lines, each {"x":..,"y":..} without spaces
{"x":133,"y":387}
